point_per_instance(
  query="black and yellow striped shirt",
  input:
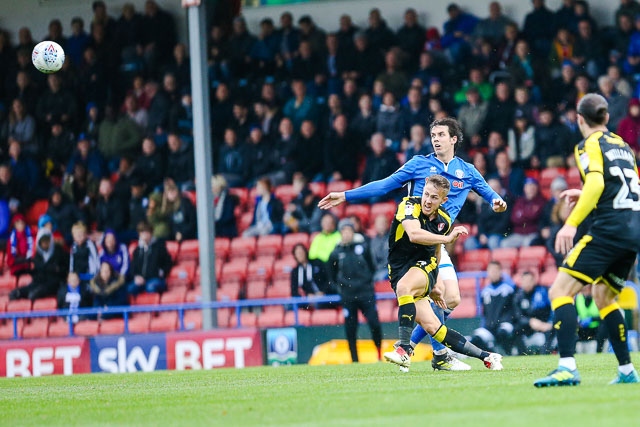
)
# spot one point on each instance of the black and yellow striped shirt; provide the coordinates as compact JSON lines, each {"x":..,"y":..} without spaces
{"x":401,"y":250}
{"x":615,"y":215}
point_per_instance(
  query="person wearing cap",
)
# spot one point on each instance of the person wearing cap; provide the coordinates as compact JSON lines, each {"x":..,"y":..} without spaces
{"x":351,"y":271}
{"x":525,"y":216}
{"x":605,"y":255}
{"x":150,"y":263}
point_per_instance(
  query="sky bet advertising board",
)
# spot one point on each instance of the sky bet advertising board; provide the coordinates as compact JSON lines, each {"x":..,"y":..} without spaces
{"x":131,"y":353}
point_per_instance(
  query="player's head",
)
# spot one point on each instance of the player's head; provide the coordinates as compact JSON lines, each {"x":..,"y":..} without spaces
{"x":593,"y":111}
{"x":436,"y":190}
{"x":446,"y":134}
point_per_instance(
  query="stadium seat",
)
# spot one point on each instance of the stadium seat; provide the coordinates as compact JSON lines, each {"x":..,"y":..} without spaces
{"x":272,"y":316}
{"x":7,"y":282}
{"x":172,"y":247}
{"x":255,"y":289}
{"x":387,"y":310}
{"x":242,"y":194}
{"x":387,"y":209}
{"x":192,"y":196}
{"x":467,"y":286}
{"x":531,"y":256}
{"x":475,"y":260}
{"x":245,"y":246}
{"x":247,"y":320}
{"x":282,"y":269}
{"x":175,"y":295}
{"x":59,"y":328}
{"x":182,"y":274}
{"x":18,"y":305}
{"x":4,"y":299}
{"x":24,"y":280}
{"x":304,"y":318}
{"x":229,"y":292}
{"x":6,"y":329}
{"x":36,"y":328}
{"x":269,"y":245}
{"x":165,"y":322}
{"x":192,"y":319}
{"x":286,"y":193}
{"x":224,"y":316}
{"x":234,"y":272}
{"x":507,"y":257}
{"x":363,"y":212}
{"x":324,"y":317}
{"x":147,"y":298}
{"x":262,"y":270}
{"x":112,"y":327}
{"x":466,"y":309}
{"x":221,"y":247}
{"x":339,"y":186}
{"x":279,"y":289}
{"x":318,"y":188}
{"x":36,"y":210}
{"x":547,"y":278}
{"x":45,"y":304}
{"x":290,"y":240}
{"x":574,"y":178}
{"x":194,"y":295}
{"x":244,"y":222}
{"x":139,"y":323}
{"x":189,"y":250}
{"x":382,"y":286}
{"x":87,"y":328}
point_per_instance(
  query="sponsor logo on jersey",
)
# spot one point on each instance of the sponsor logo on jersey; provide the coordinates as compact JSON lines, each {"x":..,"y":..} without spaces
{"x":433,"y":169}
{"x":457,"y":184}
{"x":584,"y":161}
{"x":459,"y":173}
{"x":440,"y":227}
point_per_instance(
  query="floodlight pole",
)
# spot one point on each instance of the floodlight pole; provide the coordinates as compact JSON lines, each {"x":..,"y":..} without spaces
{"x":203,"y":158}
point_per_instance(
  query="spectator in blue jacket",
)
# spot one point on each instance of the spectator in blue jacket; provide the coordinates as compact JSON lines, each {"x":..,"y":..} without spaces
{"x":268,"y":211}
{"x":89,"y":157}
{"x":115,"y":253}
{"x":457,"y":32}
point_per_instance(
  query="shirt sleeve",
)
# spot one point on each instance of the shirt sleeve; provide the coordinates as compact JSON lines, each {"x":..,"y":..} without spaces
{"x":408,"y":209}
{"x":591,"y":166}
{"x":383,"y":186}
{"x":481,"y":187}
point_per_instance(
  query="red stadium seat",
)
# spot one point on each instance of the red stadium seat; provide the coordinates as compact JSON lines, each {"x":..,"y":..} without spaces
{"x":229,"y":292}
{"x":165,"y":322}
{"x":247,"y":320}
{"x":286,"y":193}
{"x":261,"y":270}
{"x":271,"y":317}
{"x":7,"y":282}
{"x":193,"y":296}
{"x":139,"y":323}
{"x":59,"y":328}
{"x":45,"y":304}
{"x":387,"y":310}
{"x":282,"y":269}
{"x":532,"y":253}
{"x":19,"y":305}
{"x":87,"y":328}
{"x":234,"y":272}
{"x":7,"y":332}
{"x":255,"y":289}
{"x":507,"y":257}
{"x":189,"y":250}
{"x":387,"y":209}
{"x":37,"y":328}
{"x":339,"y":186}
{"x":466,"y":309}
{"x":174,"y":296}
{"x":222,"y":247}
{"x":547,"y":278}
{"x":24,"y":280}
{"x":363,"y":212}
{"x":182,"y":274}
{"x":382,"y":286}
{"x":172,"y":247}
{"x":475,"y":260}
{"x":244,"y":222}
{"x":4,"y":299}
{"x":318,"y":188}
{"x":279,"y":289}
{"x":574,"y":178}
{"x":269,"y":245}
{"x":290,"y":240}
{"x":324,"y":317}
{"x":193,"y":319}
{"x":147,"y":298}
{"x":304,"y":318}
{"x":245,"y":246}
{"x":36,"y":210}
{"x":112,"y":327}
{"x":242,"y":194}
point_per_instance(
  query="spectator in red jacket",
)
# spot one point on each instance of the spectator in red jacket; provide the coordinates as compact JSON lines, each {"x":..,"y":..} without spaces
{"x":525,"y":216}
{"x":629,"y":127}
{"x":20,"y":247}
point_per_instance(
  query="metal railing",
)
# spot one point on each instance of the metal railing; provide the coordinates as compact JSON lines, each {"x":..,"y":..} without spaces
{"x":238,"y":305}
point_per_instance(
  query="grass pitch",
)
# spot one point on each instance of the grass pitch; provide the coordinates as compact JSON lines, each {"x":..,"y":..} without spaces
{"x":342,"y":395}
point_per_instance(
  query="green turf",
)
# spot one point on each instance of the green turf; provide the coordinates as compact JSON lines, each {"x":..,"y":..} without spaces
{"x":347,"y":395}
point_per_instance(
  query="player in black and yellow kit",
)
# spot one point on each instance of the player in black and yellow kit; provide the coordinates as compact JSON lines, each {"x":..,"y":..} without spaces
{"x":605,"y":254}
{"x":418,"y":231}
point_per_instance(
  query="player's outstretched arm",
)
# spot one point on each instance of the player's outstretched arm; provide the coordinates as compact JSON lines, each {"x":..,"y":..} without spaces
{"x":332,"y":200}
{"x":423,"y":237}
{"x":499,"y":205}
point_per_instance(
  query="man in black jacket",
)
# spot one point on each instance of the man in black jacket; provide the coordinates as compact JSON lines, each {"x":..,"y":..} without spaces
{"x":351,"y":268}
{"x":150,"y":265}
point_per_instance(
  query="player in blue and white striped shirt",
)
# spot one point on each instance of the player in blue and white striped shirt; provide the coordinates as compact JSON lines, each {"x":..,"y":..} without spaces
{"x":446,"y":134}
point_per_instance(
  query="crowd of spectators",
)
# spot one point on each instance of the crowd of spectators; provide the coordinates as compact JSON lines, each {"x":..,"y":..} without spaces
{"x":108,"y":140}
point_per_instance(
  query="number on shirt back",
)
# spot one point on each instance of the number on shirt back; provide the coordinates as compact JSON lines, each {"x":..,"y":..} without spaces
{"x":629,"y":184}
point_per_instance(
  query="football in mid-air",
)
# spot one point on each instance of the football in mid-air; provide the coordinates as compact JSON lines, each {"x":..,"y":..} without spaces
{"x":47,"y":57}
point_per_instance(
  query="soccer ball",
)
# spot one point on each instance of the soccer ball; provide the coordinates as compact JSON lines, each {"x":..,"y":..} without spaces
{"x":47,"y":57}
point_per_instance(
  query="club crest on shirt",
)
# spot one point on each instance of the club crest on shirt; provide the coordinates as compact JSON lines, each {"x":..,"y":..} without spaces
{"x":584,"y":161}
{"x":459,"y":173}
{"x":433,"y":169}
{"x":441,"y":226}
